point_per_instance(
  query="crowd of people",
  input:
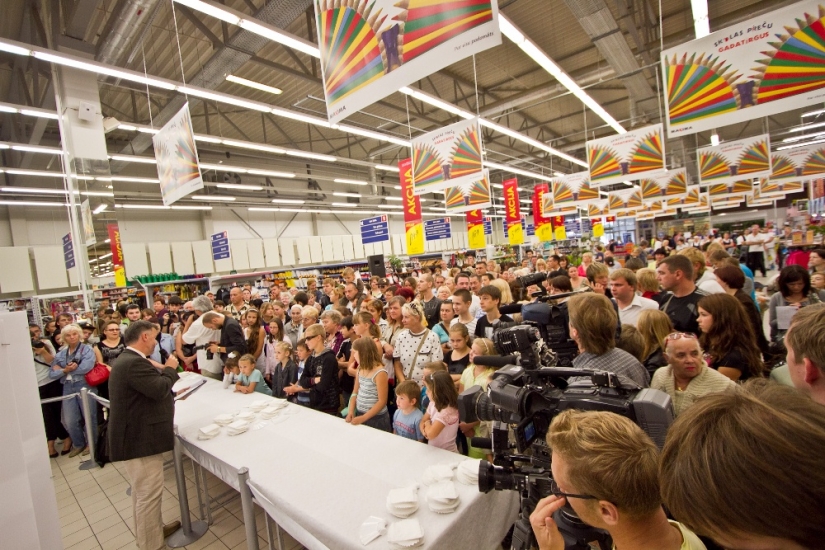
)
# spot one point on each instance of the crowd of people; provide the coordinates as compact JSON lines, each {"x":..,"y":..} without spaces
{"x":684,"y":316}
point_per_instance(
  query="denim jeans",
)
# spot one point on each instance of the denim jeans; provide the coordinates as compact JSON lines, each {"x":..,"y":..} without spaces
{"x":73,"y":412}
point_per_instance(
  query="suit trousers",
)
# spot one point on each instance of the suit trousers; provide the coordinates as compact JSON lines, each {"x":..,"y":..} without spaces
{"x":146,"y":477}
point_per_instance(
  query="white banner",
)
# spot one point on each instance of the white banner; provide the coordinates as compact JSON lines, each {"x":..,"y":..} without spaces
{"x":624,"y":199}
{"x":690,"y":199}
{"x":88,"y":223}
{"x":371,"y":48}
{"x":702,"y":206}
{"x":468,"y":196}
{"x":771,"y":188}
{"x":447,"y":157}
{"x":721,"y":190}
{"x":753,"y":69}
{"x":735,"y":160}
{"x":571,"y":190}
{"x":799,"y":162}
{"x":633,"y":155}
{"x":177,"y":158}
{"x":672,"y":184}
{"x":598,"y":209}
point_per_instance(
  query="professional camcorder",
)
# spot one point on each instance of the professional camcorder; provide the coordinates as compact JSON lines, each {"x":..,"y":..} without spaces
{"x":524,"y":398}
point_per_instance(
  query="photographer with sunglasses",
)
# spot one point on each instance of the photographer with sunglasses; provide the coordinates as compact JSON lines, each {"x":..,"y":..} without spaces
{"x":686,"y":377}
{"x":605,"y":470}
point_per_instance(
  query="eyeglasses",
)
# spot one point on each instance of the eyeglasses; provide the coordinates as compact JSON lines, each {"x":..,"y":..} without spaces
{"x":677,"y":335}
{"x":554,"y":488}
{"x":308,"y":338}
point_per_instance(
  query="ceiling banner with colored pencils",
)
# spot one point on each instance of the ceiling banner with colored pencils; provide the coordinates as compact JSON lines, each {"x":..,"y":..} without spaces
{"x":413,"y":225}
{"x":475,"y":230}
{"x":512,"y":212}
{"x":371,"y":48}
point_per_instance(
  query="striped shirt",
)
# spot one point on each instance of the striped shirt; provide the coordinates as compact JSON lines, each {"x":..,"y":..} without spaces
{"x":368,"y":392}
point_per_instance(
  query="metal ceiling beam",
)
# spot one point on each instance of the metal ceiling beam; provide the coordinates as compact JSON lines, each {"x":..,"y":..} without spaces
{"x":225,"y":60}
{"x":78,"y":20}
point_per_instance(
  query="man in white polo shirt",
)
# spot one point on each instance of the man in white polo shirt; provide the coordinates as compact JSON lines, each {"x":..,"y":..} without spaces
{"x":623,"y":287}
{"x":756,"y":242}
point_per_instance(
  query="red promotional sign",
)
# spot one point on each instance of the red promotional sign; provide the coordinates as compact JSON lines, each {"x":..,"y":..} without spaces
{"x":512,"y":209}
{"x":543,"y":229}
{"x":414,"y":228}
{"x":117,"y":254}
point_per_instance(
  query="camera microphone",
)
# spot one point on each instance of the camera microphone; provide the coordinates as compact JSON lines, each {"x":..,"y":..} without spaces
{"x":495,"y":361}
{"x":481,"y":442}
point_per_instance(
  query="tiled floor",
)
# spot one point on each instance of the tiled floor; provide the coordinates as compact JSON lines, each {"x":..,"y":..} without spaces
{"x":96,"y":512}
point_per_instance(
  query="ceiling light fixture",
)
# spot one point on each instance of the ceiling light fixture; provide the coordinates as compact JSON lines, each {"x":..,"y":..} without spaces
{"x":437,"y":102}
{"x":387,"y":168}
{"x":239,"y":186}
{"x":701,"y":19}
{"x":99,"y":209}
{"x":288,"y":201}
{"x":349,"y":181}
{"x":313,"y":156}
{"x":253,"y":84}
{"x":714,"y":139}
{"x":34,"y":190}
{"x":211,"y":198}
{"x":32,"y":203}
{"x":97,"y":194}
{"x":809,"y":113}
{"x":343,"y":194}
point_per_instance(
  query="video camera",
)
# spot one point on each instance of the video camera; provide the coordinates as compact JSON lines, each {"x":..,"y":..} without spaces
{"x":525,"y":398}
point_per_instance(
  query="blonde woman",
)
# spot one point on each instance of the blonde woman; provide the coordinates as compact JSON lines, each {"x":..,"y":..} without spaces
{"x":415,"y":346}
{"x":587,"y":259}
{"x":654,"y":326}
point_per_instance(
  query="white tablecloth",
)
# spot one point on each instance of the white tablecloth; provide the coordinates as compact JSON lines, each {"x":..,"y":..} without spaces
{"x":320,"y":478}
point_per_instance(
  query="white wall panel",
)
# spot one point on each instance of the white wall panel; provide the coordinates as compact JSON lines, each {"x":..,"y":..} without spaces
{"x":304,"y":252}
{"x":338,"y":248}
{"x":387,"y":248}
{"x":74,"y":278}
{"x":369,"y":249}
{"x":255,"y":248}
{"x":399,"y":244}
{"x":16,"y":269}
{"x":347,"y":242}
{"x":223,"y":266}
{"x":182,"y":258}
{"x":315,"y":248}
{"x":358,"y":251}
{"x":50,"y":268}
{"x":202,"y":252}
{"x":287,"y":247}
{"x":134,"y":259}
{"x":160,"y":258}
{"x":240,"y":254}
{"x":272,"y":254}
{"x":327,"y":248}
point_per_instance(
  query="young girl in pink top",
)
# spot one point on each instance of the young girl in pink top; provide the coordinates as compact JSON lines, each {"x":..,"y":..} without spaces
{"x":440,"y":422}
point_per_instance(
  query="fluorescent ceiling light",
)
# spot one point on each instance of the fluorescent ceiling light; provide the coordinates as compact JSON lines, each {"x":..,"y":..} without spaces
{"x":39,"y":114}
{"x":394,"y":198}
{"x":343,"y":194}
{"x":253,"y":84}
{"x":99,"y":209}
{"x":388,"y":168}
{"x":351,"y":182}
{"x":107,"y":241}
{"x":805,"y":144}
{"x":280,"y":37}
{"x":239,"y":186}
{"x":133,"y":158}
{"x":32,"y":203}
{"x":714,"y":139}
{"x":7,"y":109}
{"x":100,"y":68}
{"x":224,"y":98}
{"x":211,"y":198}
{"x":97,"y":194}
{"x":288,"y":201}
{"x":396,"y":187}
{"x":809,"y":113}
{"x":313,"y":156}
{"x":529,"y":141}
{"x":701,"y":20}
{"x":437,"y":209}
{"x":436,"y":102}
{"x":129,"y":179}
{"x":253,"y":146}
{"x":512,"y":32}
{"x":207,"y":139}
{"x":37,"y":149}
{"x":41,"y":173}
{"x":34,"y":190}
{"x":800,"y":138}
{"x":176,"y":207}
{"x":807,"y":127}
{"x":109,"y":255}
{"x":391,"y":206}
{"x":345,"y":204}
{"x":210,"y":10}
{"x":142,"y":206}
{"x":271,"y":173}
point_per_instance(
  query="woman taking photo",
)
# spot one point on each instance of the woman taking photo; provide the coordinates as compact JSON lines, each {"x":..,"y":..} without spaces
{"x":70,"y":366}
{"x":727,"y":338}
{"x":255,"y":336}
{"x":415,"y":346}
{"x":794,"y":284}
{"x":654,"y":326}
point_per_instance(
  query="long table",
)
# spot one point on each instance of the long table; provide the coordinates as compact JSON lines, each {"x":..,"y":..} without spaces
{"x":320,"y":478}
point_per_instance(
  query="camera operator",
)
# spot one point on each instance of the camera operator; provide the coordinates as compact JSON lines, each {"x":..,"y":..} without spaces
{"x":593,"y":322}
{"x":606,"y":469}
{"x":745,"y":468}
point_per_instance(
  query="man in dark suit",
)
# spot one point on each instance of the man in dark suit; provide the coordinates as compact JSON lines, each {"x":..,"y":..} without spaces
{"x":140,"y":428}
{"x":232,"y":338}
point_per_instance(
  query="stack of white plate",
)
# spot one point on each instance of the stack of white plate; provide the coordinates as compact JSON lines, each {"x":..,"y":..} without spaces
{"x":245,"y":415}
{"x":436,"y":473}
{"x":442,"y":497}
{"x":402,"y":502}
{"x":273,"y":409}
{"x":467,"y":472}
{"x":223,"y":419}
{"x":371,"y":529}
{"x":258,"y":405}
{"x":405,"y":534}
{"x":208,"y":432}
{"x":238,"y":427}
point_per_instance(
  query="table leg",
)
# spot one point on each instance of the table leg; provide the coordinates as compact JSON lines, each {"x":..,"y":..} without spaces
{"x":248,"y":507}
{"x":188,"y":532}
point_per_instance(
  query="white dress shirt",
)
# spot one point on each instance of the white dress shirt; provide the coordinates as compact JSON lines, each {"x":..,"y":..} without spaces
{"x":630,"y":314}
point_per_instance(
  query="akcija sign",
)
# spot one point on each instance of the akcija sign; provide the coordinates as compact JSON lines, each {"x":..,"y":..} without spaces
{"x":512,"y":210}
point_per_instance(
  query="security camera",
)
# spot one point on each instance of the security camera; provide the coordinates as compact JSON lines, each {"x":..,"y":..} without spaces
{"x":109,"y":124}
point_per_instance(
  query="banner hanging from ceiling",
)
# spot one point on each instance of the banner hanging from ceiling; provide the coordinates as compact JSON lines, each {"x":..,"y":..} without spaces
{"x":700,"y":207}
{"x":750,"y":70}
{"x":475,"y":230}
{"x":690,"y":199}
{"x":447,"y":157}
{"x":598,"y":209}
{"x":672,"y":184}
{"x":736,"y":188}
{"x":735,"y":160}
{"x":371,"y":48}
{"x":633,"y":155}
{"x":800,"y":162}
{"x":471,"y":195}
{"x":177,"y":158}
{"x":512,"y":212}
{"x":413,"y":224}
{"x":571,"y":190}
{"x":778,"y":189}
{"x":544,"y":229}
{"x":116,"y":248}
{"x":624,"y":199}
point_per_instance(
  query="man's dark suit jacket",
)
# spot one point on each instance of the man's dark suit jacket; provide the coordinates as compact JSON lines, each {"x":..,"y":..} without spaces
{"x":232,"y":338}
{"x":143,"y":409}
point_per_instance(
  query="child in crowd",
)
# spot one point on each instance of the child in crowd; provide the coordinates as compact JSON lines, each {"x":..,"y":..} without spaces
{"x":346,"y":381}
{"x":274,"y":337}
{"x":302,"y":353}
{"x":218,"y":306}
{"x":231,"y":371}
{"x":440,"y":423}
{"x":429,"y":368}
{"x":368,"y":403}
{"x":406,"y":421}
{"x":251,"y":380}
{"x":458,"y":357}
{"x":476,"y":375}
{"x":818,"y":281}
{"x":285,"y":372}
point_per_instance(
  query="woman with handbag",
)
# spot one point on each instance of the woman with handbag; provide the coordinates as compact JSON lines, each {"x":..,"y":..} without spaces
{"x":415,"y":346}
{"x":71,"y":365}
{"x":107,"y":350}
